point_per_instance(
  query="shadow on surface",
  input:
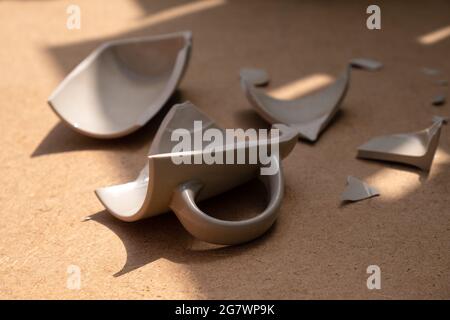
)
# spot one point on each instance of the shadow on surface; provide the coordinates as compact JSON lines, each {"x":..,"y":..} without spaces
{"x":61,"y":138}
{"x":163,"y":236}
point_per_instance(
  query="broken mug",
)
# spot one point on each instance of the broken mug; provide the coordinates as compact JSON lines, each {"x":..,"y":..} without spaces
{"x":168,"y":184}
{"x":308,"y":115}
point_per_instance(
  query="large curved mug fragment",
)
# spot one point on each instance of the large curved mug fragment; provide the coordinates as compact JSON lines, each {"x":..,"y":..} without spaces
{"x":122,"y":84}
{"x":164,"y":185}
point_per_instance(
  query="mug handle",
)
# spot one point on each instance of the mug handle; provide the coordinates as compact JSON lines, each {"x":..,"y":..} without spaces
{"x":213,"y":230}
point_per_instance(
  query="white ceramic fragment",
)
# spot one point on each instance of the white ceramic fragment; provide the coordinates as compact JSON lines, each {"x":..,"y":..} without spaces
{"x":367,"y":64}
{"x":438,"y":100}
{"x":163,"y":185}
{"x":416,"y":149}
{"x":358,"y":190}
{"x":122,"y":84}
{"x":308,"y":115}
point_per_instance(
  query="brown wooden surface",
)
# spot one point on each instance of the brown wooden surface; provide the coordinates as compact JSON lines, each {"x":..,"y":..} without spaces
{"x":318,"y":248}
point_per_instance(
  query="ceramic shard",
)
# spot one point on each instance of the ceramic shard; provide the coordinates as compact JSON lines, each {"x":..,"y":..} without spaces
{"x":129,"y":201}
{"x":438,"y":100}
{"x":122,"y":84}
{"x":308,"y":115}
{"x":416,"y":149}
{"x":358,"y":190}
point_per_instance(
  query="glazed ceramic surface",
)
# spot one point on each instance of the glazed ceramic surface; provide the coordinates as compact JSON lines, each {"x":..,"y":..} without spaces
{"x":164,"y":185}
{"x":416,"y":149}
{"x":308,"y":115}
{"x":357,"y":190}
{"x":122,"y":84}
